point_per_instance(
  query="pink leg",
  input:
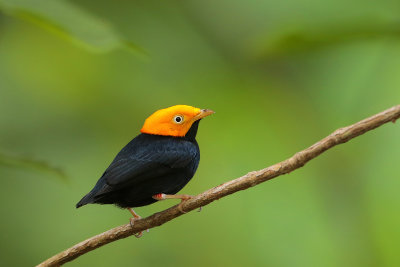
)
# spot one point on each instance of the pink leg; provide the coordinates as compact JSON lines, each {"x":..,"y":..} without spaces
{"x":183,"y":198}
{"x":135,"y":218}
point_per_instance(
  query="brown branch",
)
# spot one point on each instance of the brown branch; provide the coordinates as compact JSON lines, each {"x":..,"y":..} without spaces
{"x":339,"y":136}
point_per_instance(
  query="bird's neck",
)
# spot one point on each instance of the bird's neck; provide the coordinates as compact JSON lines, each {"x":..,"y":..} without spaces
{"x":191,"y":134}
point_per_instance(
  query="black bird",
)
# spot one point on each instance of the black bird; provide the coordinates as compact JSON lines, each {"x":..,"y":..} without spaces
{"x":155,"y":165}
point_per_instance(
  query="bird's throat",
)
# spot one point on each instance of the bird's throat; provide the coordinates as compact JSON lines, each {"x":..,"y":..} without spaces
{"x":191,"y":134}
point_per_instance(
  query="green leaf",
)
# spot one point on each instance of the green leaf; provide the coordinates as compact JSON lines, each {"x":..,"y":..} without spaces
{"x":28,"y":163}
{"x":70,"y":21}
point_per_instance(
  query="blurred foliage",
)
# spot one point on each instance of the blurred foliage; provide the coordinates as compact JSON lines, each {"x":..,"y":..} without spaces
{"x":280,"y":76}
{"x":296,"y":41}
{"x":70,"y":21}
{"x":28,"y":163}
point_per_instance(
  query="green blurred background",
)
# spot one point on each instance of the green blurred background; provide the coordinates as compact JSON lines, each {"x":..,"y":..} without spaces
{"x":78,"y":78}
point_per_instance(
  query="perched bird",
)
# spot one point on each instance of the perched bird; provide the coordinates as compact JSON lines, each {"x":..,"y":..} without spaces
{"x":155,"y":165}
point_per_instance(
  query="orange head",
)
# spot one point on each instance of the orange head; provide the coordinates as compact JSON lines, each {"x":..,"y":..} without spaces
{"x":173,"y":121}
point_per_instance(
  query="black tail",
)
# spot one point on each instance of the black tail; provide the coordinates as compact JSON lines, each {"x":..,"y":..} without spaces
{"x":85,"y":200}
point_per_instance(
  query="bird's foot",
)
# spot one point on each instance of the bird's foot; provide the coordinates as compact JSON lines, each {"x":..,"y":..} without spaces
{"x":184,"y":198}
{"x":132,"y":222}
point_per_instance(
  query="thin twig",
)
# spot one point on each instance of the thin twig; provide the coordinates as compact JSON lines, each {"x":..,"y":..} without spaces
{"x":339,"y":136}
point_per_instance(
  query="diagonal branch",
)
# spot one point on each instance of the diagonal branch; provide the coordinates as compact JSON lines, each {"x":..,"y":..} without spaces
{"x":339,"y":136}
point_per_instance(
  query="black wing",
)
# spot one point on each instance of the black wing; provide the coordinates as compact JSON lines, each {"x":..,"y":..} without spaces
{"x":139,"y":162}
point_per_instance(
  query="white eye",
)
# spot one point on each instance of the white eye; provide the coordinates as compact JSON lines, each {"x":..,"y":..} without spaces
{"x":178,"y":119}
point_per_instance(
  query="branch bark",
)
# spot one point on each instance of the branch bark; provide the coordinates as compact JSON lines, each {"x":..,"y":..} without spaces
{"x":339,"y":136}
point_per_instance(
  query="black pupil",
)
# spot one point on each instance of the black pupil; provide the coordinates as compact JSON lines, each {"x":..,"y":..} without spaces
{"x":178,"y":119}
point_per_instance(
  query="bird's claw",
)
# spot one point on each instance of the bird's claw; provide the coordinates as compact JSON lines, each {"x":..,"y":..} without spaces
{"x":139,"y":235}
{"x":183,"y":200}
{"x":132,"y":222}
{"x":180,"y":208}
